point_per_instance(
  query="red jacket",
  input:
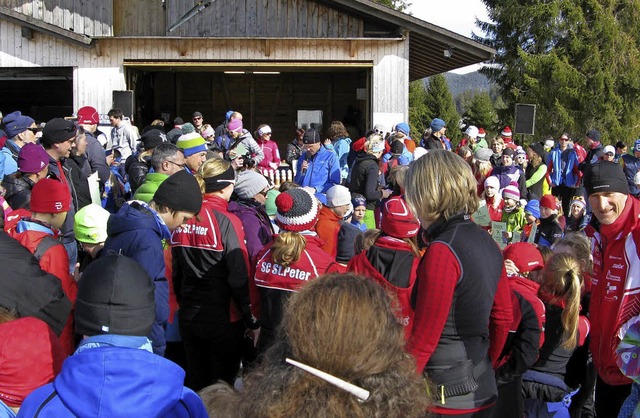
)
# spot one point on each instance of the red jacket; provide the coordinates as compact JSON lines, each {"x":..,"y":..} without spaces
{"x":55,"y":261}
{"x":615,"y":288}
{"x":360,"y":264}
{"x":528,"y":289}
{"x":327,"y":228}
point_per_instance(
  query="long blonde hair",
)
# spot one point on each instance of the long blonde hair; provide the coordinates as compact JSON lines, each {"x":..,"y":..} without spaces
{"x":287,"y":247}
{"x":562,"y":279}
{"x":211,"y":168}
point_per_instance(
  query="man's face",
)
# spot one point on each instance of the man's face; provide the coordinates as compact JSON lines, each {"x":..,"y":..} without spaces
{"x":114,"y":121}
{"x":196,"y":160}
{"x":29,"y":135}
{"x":174,"y":164}
{"x":81,"y":144}
{"x":197,"y":121}
{"x":58,"y":220}
{"x":588,"y":142}
{"x":609,"y":156}
{"x":497,"y":147}
{"x":63,"y":149}
{"x":312,"y":148}
{"x":607,"y":206}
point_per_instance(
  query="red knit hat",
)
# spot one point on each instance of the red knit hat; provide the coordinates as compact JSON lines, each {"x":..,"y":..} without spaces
{"x":481,"y":133}
{"x":524,"y":255}
{"x":88,"y":115}
{"x":506,"y":132}
{"x":397,"y":219}
{"x":50,"y":196}
{"x":549,"y":201}
{"x":30,"y":357}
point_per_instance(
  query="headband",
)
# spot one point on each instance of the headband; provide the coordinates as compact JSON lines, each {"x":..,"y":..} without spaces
{"x":219,"y":182}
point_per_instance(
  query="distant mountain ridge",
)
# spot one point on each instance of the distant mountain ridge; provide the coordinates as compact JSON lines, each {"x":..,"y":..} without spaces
{"x":459,"y":83}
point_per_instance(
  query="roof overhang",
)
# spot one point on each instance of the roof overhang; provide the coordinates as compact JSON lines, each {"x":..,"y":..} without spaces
{"x":40,"y":26}
{"x":427,"y":42}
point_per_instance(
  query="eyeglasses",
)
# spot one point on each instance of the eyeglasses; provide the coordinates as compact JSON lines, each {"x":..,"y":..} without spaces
{"x":34,"y":130}
{"x":176,"y":164}
{"x":267,"y":133}
{"x":197,"y":118}
{"x":264,"y":192}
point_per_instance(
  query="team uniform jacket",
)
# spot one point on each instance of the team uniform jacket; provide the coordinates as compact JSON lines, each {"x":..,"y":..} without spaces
{"x":462,"y":311}
{"x":211,"y":267}
{"x":391,"y":264}
{"x":615,"y":288}
{"x":276,"y":282}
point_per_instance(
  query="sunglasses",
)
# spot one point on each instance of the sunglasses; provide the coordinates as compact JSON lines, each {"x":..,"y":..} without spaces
{"x":34,"y":130}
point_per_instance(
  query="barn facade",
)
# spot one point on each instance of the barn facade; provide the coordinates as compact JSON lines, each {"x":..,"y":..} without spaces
{"x":273,"y":60}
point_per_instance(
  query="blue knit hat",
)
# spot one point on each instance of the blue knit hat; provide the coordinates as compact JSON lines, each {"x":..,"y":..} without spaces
{"x":437,"y":124}
{"x":403,"y":128}
{"x":533,"y":208}
{"x":15,"y":123}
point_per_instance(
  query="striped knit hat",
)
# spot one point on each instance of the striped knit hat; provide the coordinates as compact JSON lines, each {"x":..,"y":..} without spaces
{"x":191,"y":143}
{"x":297,"y":210}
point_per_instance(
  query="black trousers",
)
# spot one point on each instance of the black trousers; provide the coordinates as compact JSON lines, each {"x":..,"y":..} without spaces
{"x":565,"y":194}
{"x":213,"y":352}
{"x":610,"y":398}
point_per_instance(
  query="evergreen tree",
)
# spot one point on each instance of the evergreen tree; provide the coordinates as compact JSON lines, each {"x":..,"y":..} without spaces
{"x":418,"y":113}
{"x":481,"y":112}
{"x":399,"y":5}
{"x":440,"y":105}
{"x":577,"y":60}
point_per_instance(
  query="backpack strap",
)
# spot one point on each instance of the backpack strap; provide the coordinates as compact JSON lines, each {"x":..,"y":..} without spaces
{"x":44,"y":245}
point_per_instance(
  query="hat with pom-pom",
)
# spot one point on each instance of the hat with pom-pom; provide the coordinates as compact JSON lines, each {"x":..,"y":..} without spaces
{"x":297,"y":210}
{"x":506,"y":132}
{"x":482,"y":133}
{"x":511,"y":192}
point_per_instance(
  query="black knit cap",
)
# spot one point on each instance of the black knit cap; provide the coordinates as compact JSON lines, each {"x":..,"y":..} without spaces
{"x":607,"y":177}
{"x":115,"y":296}
{"x":152,"y":138}
{"x":311,"y":136}
{"x":538,"y":148}
{"x":180,"y":191}
{"x":56,"y":131}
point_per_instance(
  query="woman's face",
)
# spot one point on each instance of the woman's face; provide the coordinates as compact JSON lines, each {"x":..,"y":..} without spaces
{"x":497,"y":147}
{"x":576,"y":211}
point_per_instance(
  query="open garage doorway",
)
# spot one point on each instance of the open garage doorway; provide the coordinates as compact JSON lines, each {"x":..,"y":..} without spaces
{"x":266,"y":95}
{"x":42,"y":93}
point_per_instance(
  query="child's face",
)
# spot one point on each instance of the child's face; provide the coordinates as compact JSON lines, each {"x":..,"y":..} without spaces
{"x":358,"y":213}
{"x":509,"y":203}
{"x":545,"y":212}
{"x":576,"y":211}
{"x":529,"y":218}
{"x":521,"y":158}
{"x":490,"y":191}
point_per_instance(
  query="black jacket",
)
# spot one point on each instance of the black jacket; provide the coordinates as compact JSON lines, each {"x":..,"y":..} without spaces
{"x":365,"y":177}
{"x":136,"y":171}
{"x":18,"y":191}
{"x":77,"y":170}
{"x":28,"y":289}
{"x":433,"y":142}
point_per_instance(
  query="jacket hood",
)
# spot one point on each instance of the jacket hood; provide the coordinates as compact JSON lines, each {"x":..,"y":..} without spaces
{"x":132,"y":216}
{"x":114,"y":381}
{"x":365,"y":156}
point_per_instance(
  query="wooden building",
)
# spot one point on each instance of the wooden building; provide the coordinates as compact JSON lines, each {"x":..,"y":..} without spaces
{"x":268,"y":59}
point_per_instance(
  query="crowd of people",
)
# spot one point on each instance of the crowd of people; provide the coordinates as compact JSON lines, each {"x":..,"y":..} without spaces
{"x":159,"y":272}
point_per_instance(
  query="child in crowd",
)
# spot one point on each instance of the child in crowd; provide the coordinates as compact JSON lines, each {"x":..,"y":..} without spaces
{"x":513,"y":212}
{"x":531,"y":216}
{"x":578,"y":218}
{"x":359,"y":208}
{"x":492,"y":197}
{"x":549,"y":229}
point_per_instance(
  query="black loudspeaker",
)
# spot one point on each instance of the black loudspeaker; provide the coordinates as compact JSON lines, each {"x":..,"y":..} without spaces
{"x":525,"y":119}
{"x":124,"y":100}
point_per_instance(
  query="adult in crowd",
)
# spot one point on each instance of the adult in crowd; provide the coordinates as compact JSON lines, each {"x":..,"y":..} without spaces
{"x":115,"y":314}
{"x":137,"y":165}
{"x":269,"y":148}
{"x":595,"y":150}
{"x":435,"y":140}
{"x":614,"y":301}
{"x":341,"y":143}
{"x":393,"y":259}
{"x":198,"y":121}
{"x":21,"y":129}
{"x":78,"y":169}
{"x":317,"y":167}
{"x":123,"y":137}
{"x":58,"y":138}
{"x":33,"y":166}
{"x":365,"y":177}
{"x":88,"y":119}
{"x":176,"y":131}
{"x":140,"y":230}
{"x":31,"y":357}
{"x":294,"y":148}
{"x":463,"y":303}
{"x":562,"y":171}
{"x":508,"y":172}
{"x":194,"y":148}
{"x":291,"y":259}
{"x":211,"y":272}
{"x":166,"y":159}
{"x":50,"y":202}
{"x":239,"y":135}
{"x":345,"y":326}
{"x":497,"y":146}
{"x":536,"y":172}
{"x":631,"y":166}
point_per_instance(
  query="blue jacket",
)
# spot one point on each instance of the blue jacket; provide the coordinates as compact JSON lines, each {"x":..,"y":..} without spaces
{"x":631,"y":165}
{"x":323,"y":171}
{"x":342,"y":146}
{"x":115,"y":382}
{"x":137,"y":232}
{"x":10,"y":159}
{"x":562,"y":164}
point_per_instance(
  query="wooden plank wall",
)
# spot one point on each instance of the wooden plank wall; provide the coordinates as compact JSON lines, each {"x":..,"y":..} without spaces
{"x":262,"y":18}
{"x":139,"y":17}
{"x":99,"y":70}
{"x":87,"y":17}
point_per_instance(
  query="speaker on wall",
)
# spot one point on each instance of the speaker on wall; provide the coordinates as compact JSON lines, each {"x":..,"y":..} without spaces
{"x":525,"y":119}
{"x":123,"y":99}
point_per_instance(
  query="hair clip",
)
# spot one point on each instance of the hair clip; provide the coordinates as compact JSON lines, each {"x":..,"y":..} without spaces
{"x":360,"y":393}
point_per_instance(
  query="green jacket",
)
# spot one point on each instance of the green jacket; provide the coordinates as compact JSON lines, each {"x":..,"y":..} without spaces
{"x":147,"y":189}
{"x":515,"y":219}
